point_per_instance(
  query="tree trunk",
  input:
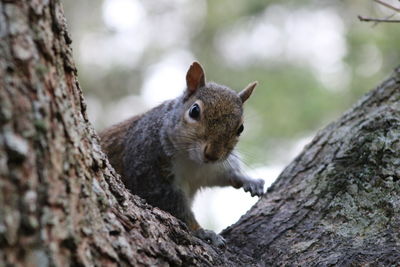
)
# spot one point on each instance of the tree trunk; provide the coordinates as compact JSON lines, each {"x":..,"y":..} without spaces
{"x":61,"y":203}
{"x":338,"y":202}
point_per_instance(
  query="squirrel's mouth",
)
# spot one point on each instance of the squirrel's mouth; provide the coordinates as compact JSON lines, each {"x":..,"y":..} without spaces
{"x":207,"y":161}
{"x":219,"y":159}
{"x":201,"y":159}
{"x":200,"y":155}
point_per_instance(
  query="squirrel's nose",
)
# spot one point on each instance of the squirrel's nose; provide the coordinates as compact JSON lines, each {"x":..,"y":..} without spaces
{"x":209,"y":154}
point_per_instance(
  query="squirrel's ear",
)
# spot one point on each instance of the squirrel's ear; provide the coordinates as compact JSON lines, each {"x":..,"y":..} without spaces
{"x":195,"y":77}
{"x":246,"y":92}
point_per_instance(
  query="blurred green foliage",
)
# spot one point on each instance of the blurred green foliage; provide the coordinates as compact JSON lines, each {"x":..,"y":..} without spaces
{"x":291,"y":101}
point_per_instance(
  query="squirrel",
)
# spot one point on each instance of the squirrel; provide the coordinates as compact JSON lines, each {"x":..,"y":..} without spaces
{"x":168,"y":153}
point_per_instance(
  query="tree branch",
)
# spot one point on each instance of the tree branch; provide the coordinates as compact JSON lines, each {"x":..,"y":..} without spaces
{"x":387,"y":5}
{"x":361,"y":18}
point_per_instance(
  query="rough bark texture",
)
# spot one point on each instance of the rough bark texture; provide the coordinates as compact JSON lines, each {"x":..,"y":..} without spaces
{"x":60,"y":201}
{"x":62,"y":204}
{"x":338,"y":202}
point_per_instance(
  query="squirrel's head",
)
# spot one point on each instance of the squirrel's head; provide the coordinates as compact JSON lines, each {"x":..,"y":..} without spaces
{"x":211,"y":120}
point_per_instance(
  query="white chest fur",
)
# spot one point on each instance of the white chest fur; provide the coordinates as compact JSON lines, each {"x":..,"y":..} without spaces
{"x":191,"y":176}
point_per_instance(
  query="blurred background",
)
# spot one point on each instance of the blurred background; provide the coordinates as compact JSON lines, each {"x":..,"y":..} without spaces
{"x":312,"y":59}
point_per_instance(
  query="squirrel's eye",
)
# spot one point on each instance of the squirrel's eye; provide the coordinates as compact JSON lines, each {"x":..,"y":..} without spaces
{"x":194,"y":112}
{"x":240,"y":129}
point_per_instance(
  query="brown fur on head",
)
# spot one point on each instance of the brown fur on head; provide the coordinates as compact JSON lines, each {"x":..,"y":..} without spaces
{"x":212,"y":118}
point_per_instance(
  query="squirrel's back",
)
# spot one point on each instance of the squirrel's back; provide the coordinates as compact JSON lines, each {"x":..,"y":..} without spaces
{"x":113,"y":140}
{"x":134,"y":147}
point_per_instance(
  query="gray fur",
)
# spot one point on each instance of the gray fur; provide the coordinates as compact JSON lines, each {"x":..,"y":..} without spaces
{"x":162,"y":153}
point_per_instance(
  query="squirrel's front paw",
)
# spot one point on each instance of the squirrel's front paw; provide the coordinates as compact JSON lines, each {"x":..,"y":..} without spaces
{"x":211,"y":237}
{"x":255,"y":187}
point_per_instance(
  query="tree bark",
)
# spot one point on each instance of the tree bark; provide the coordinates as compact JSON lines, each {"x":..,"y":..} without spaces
{"x":338,"y":202}
{"x":61,"y":203}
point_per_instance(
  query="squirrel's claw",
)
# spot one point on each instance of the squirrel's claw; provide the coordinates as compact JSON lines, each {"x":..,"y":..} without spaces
{"x":211,"y":238}
{"x":255,"y":187}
